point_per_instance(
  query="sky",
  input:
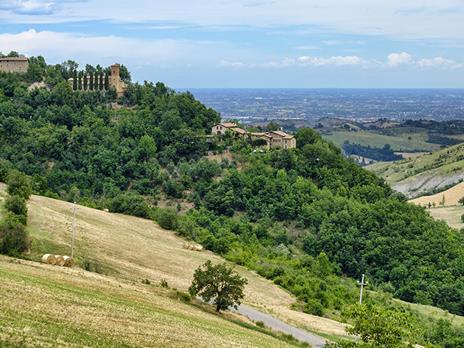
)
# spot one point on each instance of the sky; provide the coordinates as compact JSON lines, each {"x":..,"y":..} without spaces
{"x":249,"y":43}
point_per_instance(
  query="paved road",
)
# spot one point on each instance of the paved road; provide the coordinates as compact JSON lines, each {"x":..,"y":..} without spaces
{"x":278,"y":325}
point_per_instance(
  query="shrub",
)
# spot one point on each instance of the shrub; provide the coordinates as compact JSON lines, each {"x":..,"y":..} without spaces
{"x":19,"y":184}
{"x":5,"y":167}
{"x":130,"y":203}
{"x":13,"y":236}
{"x":17,"y":206}
{"x":166,"y":218}
{"x":164,"y":283}
{"x":314,"y":307}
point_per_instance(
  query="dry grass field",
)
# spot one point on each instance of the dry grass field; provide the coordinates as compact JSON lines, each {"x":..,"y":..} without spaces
{"x":451,"y":215}
{"x":450,"y":197}
{"x":49,"y":306}
{"x":132,"y":249}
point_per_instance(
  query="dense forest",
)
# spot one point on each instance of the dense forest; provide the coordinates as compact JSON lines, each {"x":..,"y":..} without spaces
{"x":309,"y":219}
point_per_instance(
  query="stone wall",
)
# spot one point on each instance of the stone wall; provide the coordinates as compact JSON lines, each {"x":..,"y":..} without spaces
{"x":14,"y":64}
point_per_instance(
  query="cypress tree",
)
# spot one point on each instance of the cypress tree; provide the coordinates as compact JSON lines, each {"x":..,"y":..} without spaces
{"x":74,"y":85}
{"x":107,"y":82}
{"x":91,"y":82}
{"x":86,"y":82}
{"x":101,"y":82}
{"x":79,"y":81}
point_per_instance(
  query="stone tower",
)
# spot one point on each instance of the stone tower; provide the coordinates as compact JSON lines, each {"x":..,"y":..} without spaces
{"x":115,"y":80}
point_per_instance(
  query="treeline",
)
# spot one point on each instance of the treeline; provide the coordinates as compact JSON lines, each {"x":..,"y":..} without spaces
{"x":379,"y":154}
{"x":13,"y":235}
{"x":308,"y":218}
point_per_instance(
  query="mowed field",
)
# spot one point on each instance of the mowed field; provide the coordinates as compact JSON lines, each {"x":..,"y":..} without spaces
{"x":49,"y":306}
{"x":407,"y":142}
{"x":449,"y":197}
{"x":130,"y":249}
{"x":451,"y":211}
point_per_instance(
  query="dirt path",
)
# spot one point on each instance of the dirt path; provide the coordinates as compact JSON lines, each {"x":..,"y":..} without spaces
{"x":278,"y":325}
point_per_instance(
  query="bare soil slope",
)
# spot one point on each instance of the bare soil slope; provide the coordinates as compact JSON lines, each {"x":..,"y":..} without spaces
{"x":432,"y":171}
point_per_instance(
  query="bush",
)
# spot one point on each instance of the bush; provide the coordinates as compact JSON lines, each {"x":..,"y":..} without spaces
{"x":17,"y":206}
{"x":19,"y":184}
{"x":314,"y":307}
{"x":5,"y":168}
{"x":166,"y":218}
{"x":13,"y":236}
{"x":130,"y":203}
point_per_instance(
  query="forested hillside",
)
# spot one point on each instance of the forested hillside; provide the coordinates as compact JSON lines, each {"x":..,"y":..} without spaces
{"x":308,"y":218}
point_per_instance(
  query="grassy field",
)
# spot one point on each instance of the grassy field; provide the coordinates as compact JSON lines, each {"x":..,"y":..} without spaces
{"x":47,"y":306}
{"x":110,"y":306}
{"x":132,"y":249}
{"x":451,"y":215}
{"x":449,"y":197}
{"x":413,"y":142}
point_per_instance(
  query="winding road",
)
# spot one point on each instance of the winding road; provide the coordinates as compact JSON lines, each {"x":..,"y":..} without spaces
{"x":278,"y":325}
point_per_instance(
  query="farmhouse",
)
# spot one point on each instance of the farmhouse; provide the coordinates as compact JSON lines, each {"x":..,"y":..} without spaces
{"x":14,"y":64}
{"x":222,"y":128}
{"x":271,"y":140}
{"x":280,"y":139}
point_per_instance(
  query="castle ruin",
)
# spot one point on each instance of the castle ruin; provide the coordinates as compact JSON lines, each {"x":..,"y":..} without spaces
{"x":14,"y":64}
{"x":100,"y":82}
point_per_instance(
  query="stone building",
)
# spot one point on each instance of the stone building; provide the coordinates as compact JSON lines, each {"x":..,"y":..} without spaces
{"x":101,"y":82}
{"x":14,"y":64}
{"x":280,"y":139}
{"x":271,"y":140}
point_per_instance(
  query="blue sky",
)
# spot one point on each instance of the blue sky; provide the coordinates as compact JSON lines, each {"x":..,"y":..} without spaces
{"x":249,"y":43}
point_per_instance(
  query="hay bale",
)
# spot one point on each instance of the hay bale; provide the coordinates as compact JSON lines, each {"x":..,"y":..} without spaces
{"x":49,"y":259}
{"x":68,"y":261}
{"x":59,"y":260}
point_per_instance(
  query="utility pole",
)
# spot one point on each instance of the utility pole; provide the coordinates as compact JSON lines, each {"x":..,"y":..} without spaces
{"x":73,"y":230}
{"x":361,"y":283}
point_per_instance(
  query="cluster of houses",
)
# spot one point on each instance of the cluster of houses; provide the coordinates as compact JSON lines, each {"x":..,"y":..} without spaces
{"x":270,"y":140}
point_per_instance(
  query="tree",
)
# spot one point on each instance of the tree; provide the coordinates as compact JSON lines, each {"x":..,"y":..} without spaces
{"x":166,"y":218}
{"x":461,"y":200}
{"x":218,"y":283}
{"x":17,"y":205}
{"x":378,"y":327}
{"x":13,"y":236}
{"x":91,"y":81}
{"x":19,"y":184}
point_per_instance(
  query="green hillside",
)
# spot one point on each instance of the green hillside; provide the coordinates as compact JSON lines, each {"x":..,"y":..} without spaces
{"x":307,"y":219}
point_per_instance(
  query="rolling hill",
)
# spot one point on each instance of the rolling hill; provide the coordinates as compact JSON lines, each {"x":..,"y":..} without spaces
{"x":122,"y":251}
{"x":430,"y":172}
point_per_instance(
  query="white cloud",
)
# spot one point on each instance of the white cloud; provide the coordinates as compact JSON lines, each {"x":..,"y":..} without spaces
{"x":438,"y":62}
{"x":57,"y":47}
{"x":335,"y":60}
{"x":395,"y":18}
{"x":302,"y":61}
{"x":28,"y":7}
{"x":396,"y":59}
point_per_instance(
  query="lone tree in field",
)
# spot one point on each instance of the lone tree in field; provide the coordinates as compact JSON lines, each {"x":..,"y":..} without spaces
{"x":218,"y":283}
